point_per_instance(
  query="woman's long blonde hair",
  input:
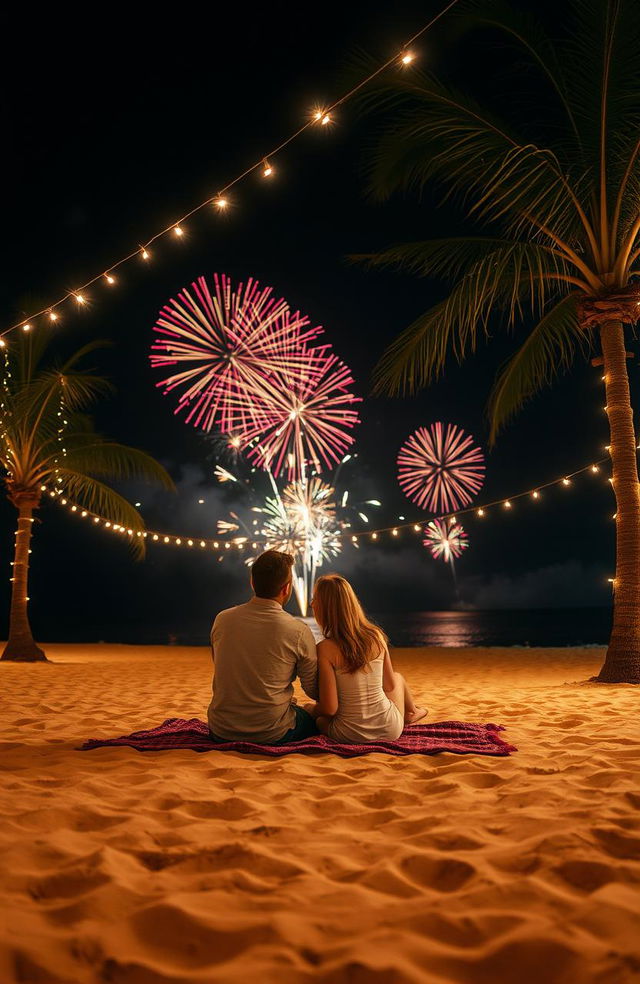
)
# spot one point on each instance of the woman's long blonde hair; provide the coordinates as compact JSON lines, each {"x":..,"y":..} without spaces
{"x":342,"y":619}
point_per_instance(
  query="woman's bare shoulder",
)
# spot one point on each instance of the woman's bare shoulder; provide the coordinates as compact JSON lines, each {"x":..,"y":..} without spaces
{"x":329,"y":650}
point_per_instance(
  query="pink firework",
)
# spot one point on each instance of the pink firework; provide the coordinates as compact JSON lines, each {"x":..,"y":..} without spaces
{"x":305,"y":421}
{"x":445,"y":538}
{"x":440,"y":469}
{"x":224,"y":346}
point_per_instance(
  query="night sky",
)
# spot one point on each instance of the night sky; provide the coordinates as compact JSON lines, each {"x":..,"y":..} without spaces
{"x":115,"y":132}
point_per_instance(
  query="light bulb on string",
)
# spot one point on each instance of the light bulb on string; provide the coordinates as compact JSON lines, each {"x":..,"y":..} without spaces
{"x":407,"y":58}
{"x":144,"y":253}
{"x":178,"y":231}
{"x":267,"y":169}
{"x":26,"y":327}
{"x":221,"y":202}
{"x":110,"y":279}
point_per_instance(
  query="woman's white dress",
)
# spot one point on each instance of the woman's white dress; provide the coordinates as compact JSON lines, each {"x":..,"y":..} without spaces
{"x":365,"y":713}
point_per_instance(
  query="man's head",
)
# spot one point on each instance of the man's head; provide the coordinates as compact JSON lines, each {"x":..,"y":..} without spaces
{"x":271,"y":576}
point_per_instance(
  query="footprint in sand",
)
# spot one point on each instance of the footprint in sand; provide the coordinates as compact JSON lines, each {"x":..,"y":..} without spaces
{"x":587,"y":876}
{"x":232,"y":808}
{"x":440,"y":874}
{"x":69,"y":882}
{"x":186,"y":939}
{"x":617,"y":844}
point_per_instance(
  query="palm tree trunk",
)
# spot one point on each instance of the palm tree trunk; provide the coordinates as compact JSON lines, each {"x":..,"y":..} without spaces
{"x":21,"y":646}
{"x":622,"y":663}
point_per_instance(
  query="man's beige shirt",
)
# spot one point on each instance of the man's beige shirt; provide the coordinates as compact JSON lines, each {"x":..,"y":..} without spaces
{"x":258,"y":651}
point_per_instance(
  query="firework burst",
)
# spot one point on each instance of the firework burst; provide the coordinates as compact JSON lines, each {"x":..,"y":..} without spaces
{"x":225,"y":345}
{"x":440,"y":469}
{"x":446,"y":539}
{"x":309,"y":419}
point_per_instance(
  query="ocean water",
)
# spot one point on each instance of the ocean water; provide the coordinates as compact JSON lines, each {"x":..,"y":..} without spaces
{"x":542,"y":627}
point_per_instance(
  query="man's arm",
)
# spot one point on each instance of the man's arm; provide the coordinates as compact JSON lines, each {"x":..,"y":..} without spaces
{"x":307,"y":663}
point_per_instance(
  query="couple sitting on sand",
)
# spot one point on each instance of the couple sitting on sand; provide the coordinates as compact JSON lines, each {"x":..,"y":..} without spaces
{"x":259,"y":649}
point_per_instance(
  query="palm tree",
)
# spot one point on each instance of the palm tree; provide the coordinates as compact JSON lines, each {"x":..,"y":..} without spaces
{"x":556,"y":188}
{"x":47,"y":442}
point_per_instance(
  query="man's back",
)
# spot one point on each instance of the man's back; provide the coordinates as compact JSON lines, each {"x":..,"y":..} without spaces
{"x":259,"y":649}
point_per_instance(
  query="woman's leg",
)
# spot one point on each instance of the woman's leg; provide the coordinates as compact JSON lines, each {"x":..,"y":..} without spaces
{"x":403,"y":699}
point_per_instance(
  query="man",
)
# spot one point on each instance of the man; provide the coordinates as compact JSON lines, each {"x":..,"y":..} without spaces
{"x":258,"y":650}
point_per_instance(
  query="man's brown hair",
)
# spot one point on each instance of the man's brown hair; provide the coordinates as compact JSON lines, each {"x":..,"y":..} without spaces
{"x":270,"y":572}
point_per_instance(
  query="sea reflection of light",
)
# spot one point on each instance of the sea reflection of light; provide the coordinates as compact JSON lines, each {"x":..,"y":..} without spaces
{"x":444,"y":628}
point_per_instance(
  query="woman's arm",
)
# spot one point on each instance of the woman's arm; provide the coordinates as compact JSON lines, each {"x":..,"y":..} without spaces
{"x":327,"y":704}
{"x":388,"y":675}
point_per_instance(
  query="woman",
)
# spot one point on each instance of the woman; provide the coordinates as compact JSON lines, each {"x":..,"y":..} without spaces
{"x":361,"y":697}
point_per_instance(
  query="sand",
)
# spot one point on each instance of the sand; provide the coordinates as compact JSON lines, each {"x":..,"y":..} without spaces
{"x":176,"y":867}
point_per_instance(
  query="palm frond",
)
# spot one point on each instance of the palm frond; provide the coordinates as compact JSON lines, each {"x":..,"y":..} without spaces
{"x":527,"y":33}
{"x":439,"y":133}
{"x":98,"y":498}
{"x":453,"y":257}
{"x":500,"y":284}
{"x":116,"y":461}
{"x":602,"y":69}
{"x":547,"y":350}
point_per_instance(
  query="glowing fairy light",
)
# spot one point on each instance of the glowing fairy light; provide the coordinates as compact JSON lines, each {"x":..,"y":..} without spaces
{"x":445,"y":539}
{"x":110,"y":279}
{"x":439,"y":468}
{"x":407,"y":58}
{"x":145,"y":254}
{"x":267,"y":169}
{"x":80,"y":298}
{"x":221,"y":202}
{"x":178,"y":231}
{"x":52,"y":316}
{"x":26,"y":327}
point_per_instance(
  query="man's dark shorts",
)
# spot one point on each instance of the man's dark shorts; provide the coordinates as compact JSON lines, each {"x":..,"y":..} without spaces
{"x":304,"y":727}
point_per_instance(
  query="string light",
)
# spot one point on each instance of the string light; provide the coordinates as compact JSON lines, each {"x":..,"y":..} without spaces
{"x":26,"y":327}
{"x":321,"y":115}
{"x":221,"y":202}
{"x":110,"y":278}
{"x":52,"y":316}
{"x":80,"y":298}
{"x":354,"y":538}
{"x":178,"y":231}
{"x":267,"y":170}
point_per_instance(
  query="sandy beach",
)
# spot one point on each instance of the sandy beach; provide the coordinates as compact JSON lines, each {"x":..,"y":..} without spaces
{"x":177,"y":867}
